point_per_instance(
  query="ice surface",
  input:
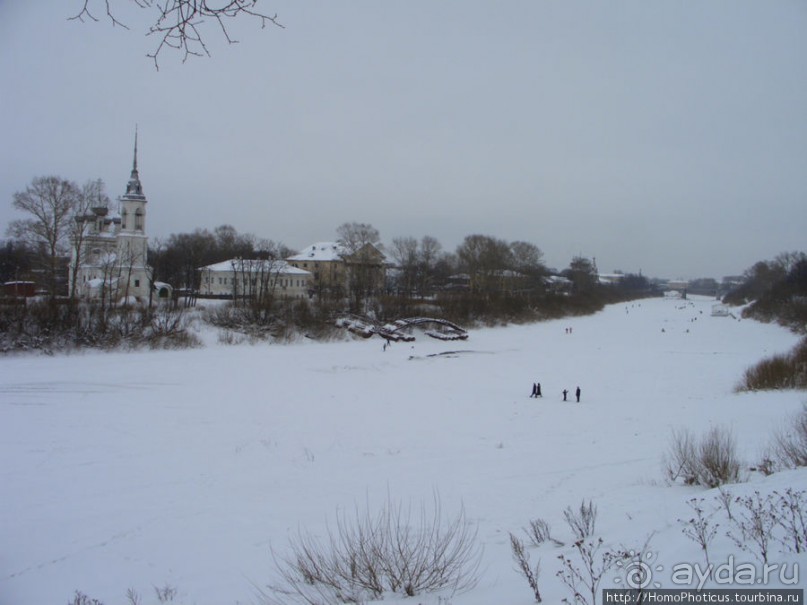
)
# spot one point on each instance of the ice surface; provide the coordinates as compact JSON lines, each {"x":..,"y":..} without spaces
{"x":187,"y":467}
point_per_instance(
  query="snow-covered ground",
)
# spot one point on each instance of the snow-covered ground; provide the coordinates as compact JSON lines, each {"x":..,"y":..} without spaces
{"x":187,"y":468}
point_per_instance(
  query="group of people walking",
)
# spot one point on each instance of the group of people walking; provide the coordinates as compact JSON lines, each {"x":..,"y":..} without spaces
{"x":536,"y":392}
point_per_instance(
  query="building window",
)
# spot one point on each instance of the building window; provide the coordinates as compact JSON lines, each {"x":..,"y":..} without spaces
{"x":137,"y":283}
{"x":138,"y":220}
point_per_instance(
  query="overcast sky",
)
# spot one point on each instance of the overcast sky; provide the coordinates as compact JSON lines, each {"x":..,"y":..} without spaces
{"x":666,"y":137}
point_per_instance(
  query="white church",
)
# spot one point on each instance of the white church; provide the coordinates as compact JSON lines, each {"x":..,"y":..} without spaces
{"x":111,"y":260}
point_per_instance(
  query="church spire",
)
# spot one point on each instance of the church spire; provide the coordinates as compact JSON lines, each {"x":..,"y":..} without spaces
{"x":134,"y":187}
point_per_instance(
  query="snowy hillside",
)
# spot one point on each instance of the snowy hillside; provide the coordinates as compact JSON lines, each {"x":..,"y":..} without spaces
{"x":187,"y":468}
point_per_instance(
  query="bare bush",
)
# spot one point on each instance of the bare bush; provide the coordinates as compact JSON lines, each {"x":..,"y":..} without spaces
{"x":133,"y":597}
{"x":710,"y":462}
{"x":393,"y":551}
{"x":718,"y":458}
{"x":767,"y":465}
{"x":725,"y":499}
{"x":53,"y":326}
{"x":755,"y":520}
{"x":699,"y":528}
{"x":168,"y":328}
{"x":784,"y":371}
{"x":638,"y":574}
{"x":522,"y":558}
{"x":166,"y":593}
{"x":761,"y":521}
{"x":769,"y":374}
{"x":79,"y":598}
{"x":680,"y":461}
{"x":581,"y":521}
{"x":539,"y":532}
{"x":583,"y":578}
{"x":253,"y":321}
{"x":791,"y":517}
{"x":789,"y":448}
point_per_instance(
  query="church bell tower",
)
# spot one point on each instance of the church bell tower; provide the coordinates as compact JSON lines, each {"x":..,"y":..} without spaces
{"x":132,"y":239}
{"x":133,"y":202}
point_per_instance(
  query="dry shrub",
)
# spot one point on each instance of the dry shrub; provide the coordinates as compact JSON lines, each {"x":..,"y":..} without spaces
{"x":711,"y":461}
{"x":581,"y":521}
{"x":366,"y":556}
{"x":539,"y":532}
{"x":789,"y":448}
{"x":522,"y":559}
{"x":785,"y":371}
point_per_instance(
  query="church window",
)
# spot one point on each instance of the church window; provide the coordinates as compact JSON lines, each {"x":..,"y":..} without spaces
{"x":138,"y":220}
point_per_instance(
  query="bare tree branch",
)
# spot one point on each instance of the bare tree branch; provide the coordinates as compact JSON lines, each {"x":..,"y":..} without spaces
{"x":179,"y":23}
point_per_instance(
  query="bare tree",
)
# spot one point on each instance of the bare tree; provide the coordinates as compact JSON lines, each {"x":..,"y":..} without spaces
{"x":128,"y":259}
{"x":430,"y":250}
{"x":92,"y":195}
{"x":405,"y":253}
{"x":786,"y":261}
{"x":15,"y":260}
{"x":484,"y":257}
{"x":230,"y":243}
{"x":50,"y":202}
{"x":362,"y":246}
{"x":355,"y":236}
{"x":187,"y":252}
{"x":527,"y":258}
{"x":178,"y":24}
{"x":417,"y":261}
{"x":582,"y":272}
{"x":107,"y":293}
{"x":158,"y":247}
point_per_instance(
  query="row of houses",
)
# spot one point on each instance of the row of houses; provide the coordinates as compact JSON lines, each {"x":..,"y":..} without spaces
{"x":328,"y":268}
{"x":323,"y":267}
{"x":111,"y":262}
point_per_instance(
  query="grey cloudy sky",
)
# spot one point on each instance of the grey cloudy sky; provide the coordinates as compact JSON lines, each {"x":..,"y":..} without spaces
{"x":668,"y":137}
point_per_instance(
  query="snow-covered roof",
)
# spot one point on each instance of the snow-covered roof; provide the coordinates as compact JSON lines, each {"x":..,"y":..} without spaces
{"x":557,"y":279}
{"x":321,"y":251}
{"x":98,"y":282}
{"x":508,"y":273}
{"x":255,"y":266}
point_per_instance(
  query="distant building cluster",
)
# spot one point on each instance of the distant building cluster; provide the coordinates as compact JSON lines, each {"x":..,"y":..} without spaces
{"x":110,"y":262}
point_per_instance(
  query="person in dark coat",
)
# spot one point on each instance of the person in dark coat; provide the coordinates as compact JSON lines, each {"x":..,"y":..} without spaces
{"x":538,"y":390}
{"x":577,"y":394}
{"x":534,"y":390}
{"x":565,"y":392}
